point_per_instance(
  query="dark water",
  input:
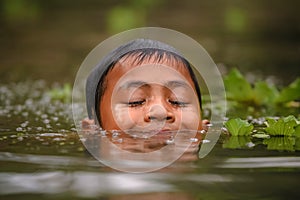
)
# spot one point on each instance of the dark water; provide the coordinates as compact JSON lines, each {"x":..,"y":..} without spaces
{"x":42,"y":157}
{"x":49,"y":40}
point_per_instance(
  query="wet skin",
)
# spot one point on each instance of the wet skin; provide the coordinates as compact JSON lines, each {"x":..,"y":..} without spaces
{"x":150,"y":96}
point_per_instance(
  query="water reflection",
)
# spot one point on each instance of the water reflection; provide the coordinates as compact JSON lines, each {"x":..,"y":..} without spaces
{"x":142,"y":151}
{"x":113,"y":185}
{"x":277,"y":143}
{"x":262,"y":162}
{"x":66,"y":177}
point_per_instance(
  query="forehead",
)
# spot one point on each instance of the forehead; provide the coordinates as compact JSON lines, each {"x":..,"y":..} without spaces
{"x":150,"y":67}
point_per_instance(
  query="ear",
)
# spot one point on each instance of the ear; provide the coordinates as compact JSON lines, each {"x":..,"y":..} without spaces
{"x":204,"y":124}
{"x":87,"y":123}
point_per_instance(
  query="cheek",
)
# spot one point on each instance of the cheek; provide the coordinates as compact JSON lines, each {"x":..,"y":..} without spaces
{"x":127,"y":118}
{"x":190,"y":118}
{"x":136,"y":115}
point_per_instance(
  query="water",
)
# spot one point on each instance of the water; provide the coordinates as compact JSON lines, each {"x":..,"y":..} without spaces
{"x":42,"y":157}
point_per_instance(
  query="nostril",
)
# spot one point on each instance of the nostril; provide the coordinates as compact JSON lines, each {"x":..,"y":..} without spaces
{"x":169,"y":118}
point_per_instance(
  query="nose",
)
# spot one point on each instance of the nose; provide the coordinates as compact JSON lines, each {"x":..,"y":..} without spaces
{"x":159,"y":113}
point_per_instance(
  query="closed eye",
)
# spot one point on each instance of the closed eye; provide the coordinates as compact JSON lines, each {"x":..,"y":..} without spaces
{"x":178,"y":103}
{"x":136,"y":103}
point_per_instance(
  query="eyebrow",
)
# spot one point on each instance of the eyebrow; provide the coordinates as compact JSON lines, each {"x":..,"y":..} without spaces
{"x":169,"y":84}
{"x":177,"y":83}
{"x":134,"y":84}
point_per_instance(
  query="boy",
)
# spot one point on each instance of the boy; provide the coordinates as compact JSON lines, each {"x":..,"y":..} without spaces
{"x":144,"y":86}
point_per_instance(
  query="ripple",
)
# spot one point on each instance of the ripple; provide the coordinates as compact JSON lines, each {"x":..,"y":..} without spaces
{"x":262,"y":162}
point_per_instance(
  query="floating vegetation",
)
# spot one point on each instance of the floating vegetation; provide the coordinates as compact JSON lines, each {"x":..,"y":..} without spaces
{"x":238,"y":127}
{"x":261,"y":93}
{"x":61,"y":93}
{"x":258,"y":103}
{"x":290,"y":93}
{"x":32,"y":107}
{"x":285,"y":126}
{"x":37,"y":119}
{"x":277,"y":134}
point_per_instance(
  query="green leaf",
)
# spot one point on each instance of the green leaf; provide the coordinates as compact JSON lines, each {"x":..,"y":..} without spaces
{"x":280,"y":143}
{"x":290,"y":93}
{"x":264,"y":94}
{"x":238,"y":126}
{"x":61,"y":93}
{"x":283,"y":126}
{"x":297,"y":131}
{"x":237,"y":87}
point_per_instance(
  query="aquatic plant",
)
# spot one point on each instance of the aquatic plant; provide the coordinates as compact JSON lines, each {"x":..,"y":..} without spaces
{"x":237,"y":87}
{"x":61,"y":93}
{"x":282,"y":134}
{"x":238,"y":127}
{"x":290,"y":93}
{"x":284,"y":126}
{"x":35,"y":108}
{"x":261,"y":93}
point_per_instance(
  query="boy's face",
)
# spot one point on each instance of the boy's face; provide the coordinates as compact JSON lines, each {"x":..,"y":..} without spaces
{"x":149,"y":97}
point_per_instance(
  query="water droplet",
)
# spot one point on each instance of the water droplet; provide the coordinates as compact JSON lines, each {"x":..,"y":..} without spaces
{"x":118,"y":140}
{"x":24,"y":124}
{"x":103,"y":133}
{"x":46,"y":121}
{"x":224,"y":130}
{"x":44,"y":116}
{"x":250,"y":144}
{"x":115,"y":134}
{"x":25,"y":114}
{"x":170,"y":141}
{"x":205,"y":141}
{"x":19,"y":129}
{"x":73,"y":129}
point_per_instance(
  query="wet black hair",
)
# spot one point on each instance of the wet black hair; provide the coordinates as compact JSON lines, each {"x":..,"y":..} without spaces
{"x":140,"y":50}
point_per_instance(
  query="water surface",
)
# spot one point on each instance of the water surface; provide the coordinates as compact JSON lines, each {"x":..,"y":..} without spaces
{"x":42,"y":157}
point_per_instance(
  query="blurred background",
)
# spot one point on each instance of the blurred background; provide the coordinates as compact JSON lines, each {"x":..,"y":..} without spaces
{"x":49,"y":39}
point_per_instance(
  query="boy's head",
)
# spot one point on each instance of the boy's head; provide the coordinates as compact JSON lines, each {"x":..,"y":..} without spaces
{"x":144,"y":85}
